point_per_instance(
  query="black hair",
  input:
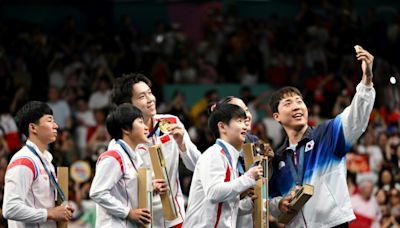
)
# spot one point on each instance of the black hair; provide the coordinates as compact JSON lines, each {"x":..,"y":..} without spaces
{"x":121,"y":118}
{"x":277,"y":96}
{"x":211,"y":106}
{"x":123,"y":86}
{"x":224,"y":113}
{"x":31,"y":112}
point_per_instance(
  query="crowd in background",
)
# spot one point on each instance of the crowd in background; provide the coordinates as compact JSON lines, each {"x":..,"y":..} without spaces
{"x":74,"y":70}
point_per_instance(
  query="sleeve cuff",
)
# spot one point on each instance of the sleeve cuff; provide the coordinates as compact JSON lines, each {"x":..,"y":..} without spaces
{"x":126,"y":213}
{"x":183,"y":152}
{"x":362,"y":86}
{"x":274,"y":206}
{"x":249,"y":181}
{"x":44,"y":214}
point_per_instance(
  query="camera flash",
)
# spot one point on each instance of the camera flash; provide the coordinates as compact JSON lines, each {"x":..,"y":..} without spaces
{"x":392,"y":80}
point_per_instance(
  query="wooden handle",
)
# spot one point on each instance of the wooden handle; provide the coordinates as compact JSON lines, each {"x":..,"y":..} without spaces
{"x":145,"y":193}
{"x":62,"y":179}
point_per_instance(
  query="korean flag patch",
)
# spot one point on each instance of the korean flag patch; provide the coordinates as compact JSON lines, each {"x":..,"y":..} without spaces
{"x":309,"y":146}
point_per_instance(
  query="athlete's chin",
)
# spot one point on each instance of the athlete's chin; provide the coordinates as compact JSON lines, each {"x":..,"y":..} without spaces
{"x":143,"y":140}
{"x":300,"y":126}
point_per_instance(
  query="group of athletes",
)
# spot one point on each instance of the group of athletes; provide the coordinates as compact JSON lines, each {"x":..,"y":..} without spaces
{"x":219,"y":195}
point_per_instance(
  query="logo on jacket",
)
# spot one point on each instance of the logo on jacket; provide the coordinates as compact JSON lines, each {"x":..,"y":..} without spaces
{"x":281,"y":164}
{"x":309,"y":146}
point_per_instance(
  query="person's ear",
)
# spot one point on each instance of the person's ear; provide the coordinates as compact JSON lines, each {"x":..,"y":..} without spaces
{"x":275,"y":115}
{"x":32,"y":128}
{"x":221,"y":127}
{"x":126,"y":132}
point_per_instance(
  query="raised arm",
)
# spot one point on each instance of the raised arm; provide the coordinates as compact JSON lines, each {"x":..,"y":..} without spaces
{"x":355,"y":117}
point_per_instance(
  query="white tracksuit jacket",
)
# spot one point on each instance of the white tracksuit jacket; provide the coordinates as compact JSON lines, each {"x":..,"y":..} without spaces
{"x":171,"y":153}
{"x":214,"y":199}
{"x":28,"y":191}
{"x":115,"y":187}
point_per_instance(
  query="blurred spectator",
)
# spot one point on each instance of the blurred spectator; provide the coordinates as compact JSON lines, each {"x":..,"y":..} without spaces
{"x":178,"y":108}
{"x":84,"y":120}
{"x":386,"y":180}
{"x":101,"y":97}
{"x":98,"y":136}
{"x":200,"y":133}
{"x":20,"y":74}
{"x":315,"y":117}
{"x":369,"y":147}
{"x":260,"y":130}
{"x":365,"y":205}
{"x":382,"y":197}
{"x":207,"y":74}
{"x":64,"y":149}
{"x":247,"y":78}
{"x":390,"y":146}
{"x":185,"y":73}
{"x":201,"y":105}
{"x":21,"y":96}
{"x":57,"y":77}
{"x":8,"y":130}
{"x":61,"y":109}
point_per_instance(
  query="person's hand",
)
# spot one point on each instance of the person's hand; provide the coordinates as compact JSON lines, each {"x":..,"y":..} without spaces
{"x":255,"y":172}
{"x":250,"y":193}
{"x":177,"y":131}
{"x":140,"y":215}
{"x":61,"y":213}
{"x":284,"y":204}
{"x":294,"y":190}
{"x":160,"y":186}
{"x":366,"y":65}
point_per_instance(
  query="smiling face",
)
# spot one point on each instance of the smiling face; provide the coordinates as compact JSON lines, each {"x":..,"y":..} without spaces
{"x":292,"y":112}
{"x":144,"y":99}
{"x":138,"y":133}
{"x":235,"y":132}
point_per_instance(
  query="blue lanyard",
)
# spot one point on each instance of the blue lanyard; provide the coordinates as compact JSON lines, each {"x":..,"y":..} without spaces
{"x":228,"y":156}
{"x":297,"y":174}
{"x":126,"y":151}
{"x":155,"y":128}
{"x":50,"y":174}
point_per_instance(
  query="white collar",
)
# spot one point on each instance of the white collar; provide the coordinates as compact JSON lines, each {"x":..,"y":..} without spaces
{"x":232,"y":150}
{"x":46,"y":155}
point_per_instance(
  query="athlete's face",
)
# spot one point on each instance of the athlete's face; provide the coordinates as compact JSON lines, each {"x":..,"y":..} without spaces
{"x":139,"y":131}
{"x":144,"y":99}
{"x":46,"y":129}
{"x":292,"y":112}
{"x":235,"y":132}
{"x":240,"y":103}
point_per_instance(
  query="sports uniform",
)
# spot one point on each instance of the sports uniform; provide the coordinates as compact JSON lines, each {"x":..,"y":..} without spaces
{"x":28,"y":191}
{"x":321,"y":162}
{"x":115,"y":186}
